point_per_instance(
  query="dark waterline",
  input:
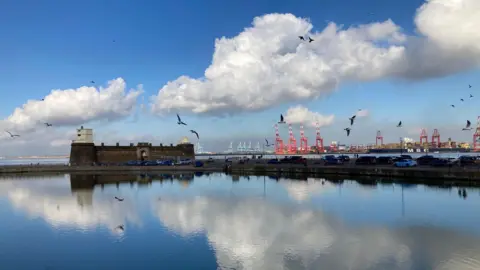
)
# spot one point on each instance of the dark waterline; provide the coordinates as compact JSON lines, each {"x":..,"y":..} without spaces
{"x":209,"y":221}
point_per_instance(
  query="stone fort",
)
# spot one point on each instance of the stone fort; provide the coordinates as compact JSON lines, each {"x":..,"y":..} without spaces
{"x":84,"y":152}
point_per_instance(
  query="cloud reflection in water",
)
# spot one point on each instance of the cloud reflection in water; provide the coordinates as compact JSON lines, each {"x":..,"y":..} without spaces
{"x":57,"y":204}
{"x":258,"y":234}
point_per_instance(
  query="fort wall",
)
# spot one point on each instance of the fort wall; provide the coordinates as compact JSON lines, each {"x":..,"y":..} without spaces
{"x":88,"y":153}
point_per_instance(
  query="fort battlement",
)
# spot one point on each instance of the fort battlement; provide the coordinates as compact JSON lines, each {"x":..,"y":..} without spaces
{"x":85,"y":152}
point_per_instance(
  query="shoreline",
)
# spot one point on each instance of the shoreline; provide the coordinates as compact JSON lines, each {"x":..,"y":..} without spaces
{"x":422,"y":173}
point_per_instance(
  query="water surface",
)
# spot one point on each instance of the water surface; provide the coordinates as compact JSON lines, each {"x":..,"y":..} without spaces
{"x":215,"y":221}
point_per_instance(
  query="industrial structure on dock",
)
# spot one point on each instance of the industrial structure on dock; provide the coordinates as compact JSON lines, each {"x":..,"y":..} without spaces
{"x":84,"y":152}
{"x":424,"y":145}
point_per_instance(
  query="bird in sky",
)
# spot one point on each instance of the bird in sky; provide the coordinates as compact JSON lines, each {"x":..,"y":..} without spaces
{"x":268,"y":144}
{"x":348,"y":131}
{"x":352,"y":119}
{"x":194,"y":132}
{"x":467,"y":127}
{"x":180,"y":122}
{"x":48,"y":124}
{"x":282,"y":120}
{"x":118,"y":199}
{"x":453,"y":106}
{"x":12,"y":135}
{"x":471,"y":95}
{"x":300,"y":37}
{"x":120,"y":227}
{"x":399,"y":124}
{"x":469,"y":86}
{"x":92,"y":81}
{"x":310,"y":40}
{"x":462,"y":99}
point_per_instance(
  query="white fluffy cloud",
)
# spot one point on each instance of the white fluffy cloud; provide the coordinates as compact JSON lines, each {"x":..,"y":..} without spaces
{"x":301,"y":115}
{"x":75,"y":106}
{"x":267,"y":64}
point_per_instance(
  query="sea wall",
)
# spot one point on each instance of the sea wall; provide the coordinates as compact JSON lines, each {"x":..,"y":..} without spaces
{"x":471,"y":175}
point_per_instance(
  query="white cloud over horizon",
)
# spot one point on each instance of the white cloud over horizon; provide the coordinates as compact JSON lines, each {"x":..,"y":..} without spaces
{"x":73,"y":107}
{"x":267,"y":65}
{"x":299,"y":115}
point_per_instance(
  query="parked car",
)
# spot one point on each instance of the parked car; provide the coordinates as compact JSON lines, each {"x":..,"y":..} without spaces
{"x":384,"y":160}
{"x":440,"y":162}
{"x":333,"y":161}
{"x":149,"y":163}
{"x":405,"y":163}
{"x":344,"y":158}
{"x":133,"y":163}
{"x":198,"y":163}
{"x":328,"y":156}
{"x":425,"y":160}
{"x":366,"y":160}
{"x":273,"y":161}
{"x":294,"y":160}
{"x":184,"y":162}
{"x":466,"y":160}
{"x":165,"y":162}
{"x":401,"y":157}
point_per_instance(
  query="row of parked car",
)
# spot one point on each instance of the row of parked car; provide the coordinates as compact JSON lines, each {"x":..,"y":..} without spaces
{"x":159,"y":162}
{"x":403,"y":160}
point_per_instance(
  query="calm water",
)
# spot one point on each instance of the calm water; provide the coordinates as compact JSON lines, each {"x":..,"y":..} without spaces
{"x":211,"y":222}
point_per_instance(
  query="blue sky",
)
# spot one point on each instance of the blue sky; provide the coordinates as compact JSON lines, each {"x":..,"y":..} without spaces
{"x":66,"y":44}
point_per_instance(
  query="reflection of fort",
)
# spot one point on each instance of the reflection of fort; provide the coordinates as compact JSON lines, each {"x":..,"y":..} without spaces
{"x":87,"y":182}
{"x":84,"y":197}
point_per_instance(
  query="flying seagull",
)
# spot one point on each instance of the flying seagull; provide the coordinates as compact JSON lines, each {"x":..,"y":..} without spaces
{"x":467,"y":127}
{"x":267,"y":145}
{"x":300,"y":37}
{"x":348,"y":131}
{"x":118,"y":199}
{"x":469,"y":86}
{"x":120,"y":227}
{"x":180,"y":122}
{"x":310,"y":40}
{"x":92,"y":81}
{"x":352,"y":119}
{"x":12,"y":135}
{"x":471,"y":95}
{"x":194,"y":132}
{"x":282,"y":121}
{"x":48,"y":124}
{"x":453,"y":106}
{"x":399,"y":124}
{"x":462,"y":99}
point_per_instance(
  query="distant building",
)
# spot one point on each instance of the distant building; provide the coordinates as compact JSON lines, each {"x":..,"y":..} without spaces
{"x":84,"y":152}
